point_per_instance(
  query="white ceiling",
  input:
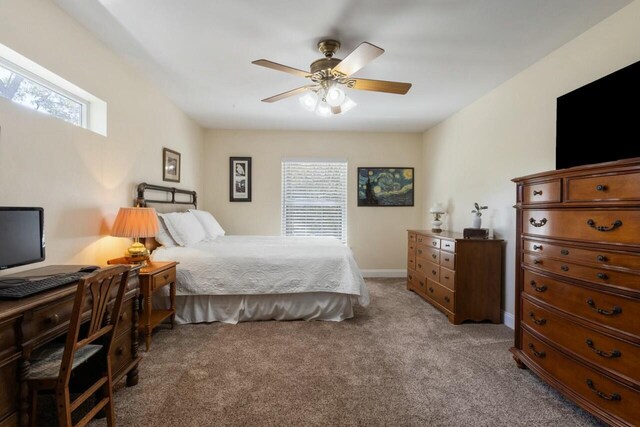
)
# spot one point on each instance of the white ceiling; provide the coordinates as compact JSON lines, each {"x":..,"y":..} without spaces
{"x":453,"y":51}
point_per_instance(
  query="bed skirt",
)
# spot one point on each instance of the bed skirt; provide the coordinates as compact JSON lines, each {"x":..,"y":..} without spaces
{"x":243,"y":308}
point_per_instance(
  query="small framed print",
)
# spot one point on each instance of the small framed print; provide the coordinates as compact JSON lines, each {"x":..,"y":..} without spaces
{"x":170,"y":165}
{"x":239,"y":179}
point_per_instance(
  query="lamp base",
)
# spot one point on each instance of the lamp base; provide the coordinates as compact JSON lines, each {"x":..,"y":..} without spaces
{"x":436,"y":226}
{"x":137,"y":254}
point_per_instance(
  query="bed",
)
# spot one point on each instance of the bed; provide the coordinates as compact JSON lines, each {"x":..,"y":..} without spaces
{"x":245,"y":278}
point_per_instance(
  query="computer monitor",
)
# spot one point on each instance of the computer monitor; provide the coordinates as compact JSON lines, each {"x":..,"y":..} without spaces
{"x":21,"y":236}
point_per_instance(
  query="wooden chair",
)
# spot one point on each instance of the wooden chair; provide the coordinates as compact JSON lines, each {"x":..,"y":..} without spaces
{"x":51,"y":368}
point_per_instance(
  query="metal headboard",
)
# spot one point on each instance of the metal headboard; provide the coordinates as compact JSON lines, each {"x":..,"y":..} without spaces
{"x":142,"y":201}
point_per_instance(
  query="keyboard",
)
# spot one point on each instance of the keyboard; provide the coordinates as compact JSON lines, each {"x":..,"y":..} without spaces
{"x":29,"y":288}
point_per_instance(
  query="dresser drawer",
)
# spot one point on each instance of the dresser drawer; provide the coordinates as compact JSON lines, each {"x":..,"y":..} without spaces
{"x":447,"y":278}
{"x":430,"y":270}
{"x":543,"y":192}
{"x":607,"y":226}
{"x":611,"y":353}
{"x":120,"y":353}
{"x":448,"y":245}
{"x":411,"y":261}
{"x":423,"y":250}
{"x":608,"y":258}
{"x":441,"y":295}
{"x":412,"y":247}
{"x":163,"y":277}
{"x":411,"y":275}
{"x":432,"y":255}
{"x":585,"y":302}
{"x":591,"y":386}
{"x":48,"y":318}
{"x":420,"y":284}
{"x":604,"y":188}
{"x":448,"y":260}
{"x":431,"y":242}
{"x":412,"y":237}
{"x":601,"y":276}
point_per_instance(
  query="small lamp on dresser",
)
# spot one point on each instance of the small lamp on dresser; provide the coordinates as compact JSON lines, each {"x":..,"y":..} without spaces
{"x":437,"y":210}
{"x":136,"y":223}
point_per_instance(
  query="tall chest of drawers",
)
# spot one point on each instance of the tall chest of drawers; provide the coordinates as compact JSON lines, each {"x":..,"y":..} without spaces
{"x":578,"y":285}
{"x":460,"y":277}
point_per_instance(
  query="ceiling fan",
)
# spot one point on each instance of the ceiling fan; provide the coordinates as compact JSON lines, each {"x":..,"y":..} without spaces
{"x":329,"y":77}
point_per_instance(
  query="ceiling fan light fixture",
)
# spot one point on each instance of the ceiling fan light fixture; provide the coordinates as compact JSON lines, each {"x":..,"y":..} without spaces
{"x":323,"y":109}
{"x":335,"y":96}
{"x":348,"y":104}
{"x":309,"y":101}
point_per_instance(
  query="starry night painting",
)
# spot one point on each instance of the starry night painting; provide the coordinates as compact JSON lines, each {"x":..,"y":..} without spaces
{"x":385,"y":186}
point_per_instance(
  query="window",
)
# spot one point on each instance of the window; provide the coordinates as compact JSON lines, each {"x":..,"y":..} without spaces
{"x":18,"y":87}
{"x":314,"y":198}
{"x":33,"y":86}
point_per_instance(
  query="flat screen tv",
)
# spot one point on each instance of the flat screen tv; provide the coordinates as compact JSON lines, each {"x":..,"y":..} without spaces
{"x":21,"y":236}
{"x":604,"y":114}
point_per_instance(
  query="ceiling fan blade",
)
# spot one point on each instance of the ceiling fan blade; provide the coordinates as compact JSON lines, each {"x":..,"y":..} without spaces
{"x":381,"y":86}
{"x":289,"y":93}
{"x":361,"y":56}
{"x":280,"y":67}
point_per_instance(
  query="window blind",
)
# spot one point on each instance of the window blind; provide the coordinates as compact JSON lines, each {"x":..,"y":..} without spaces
{"x":314,"y":198}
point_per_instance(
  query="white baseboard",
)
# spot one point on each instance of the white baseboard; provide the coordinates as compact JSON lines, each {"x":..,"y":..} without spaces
{"x":508,"y":320}
{"x":384,"y":273}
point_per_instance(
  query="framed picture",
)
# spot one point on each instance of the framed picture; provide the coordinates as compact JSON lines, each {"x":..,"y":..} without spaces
{"x":239,"y":179}
{"x":170,"y":165}
{"x":385,"y":187}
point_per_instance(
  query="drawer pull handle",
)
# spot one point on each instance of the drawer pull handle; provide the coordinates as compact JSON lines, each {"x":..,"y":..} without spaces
{"x":447,"y":299}
{"x":535,"y":223}
{"x":564,"y":267}
{"x":537,"y":247}
{"x":537,"y":261}
{"x":534,"y":285}
{"x":538,"y":354}
{"x":602,"y":258}
{"x":421,"y":284}
{"x":540,"y":321}
{"x":608,"y":355}
{"x":446,"y":277}
{"x":602,"y":276}
{"x":612,"y":312}
{"x":537,"y":192}
{"x":419,"y":251}
{"x":123,"y":316}
{"x":617,"y":223}
{"x":434,"y":256}
{"x":446,"y":259}
{"x":564,"y":252}
{"x":419,"y":239}
{"x":431,"y":290}
{"x":434,"y":243}
{"x":612,"y":396}
{"x":601,"y":187}
{"x":419,"y":265}
{"x":434,"y":272}
{"x":54,"y":320}
{"x":166,"y":276}
{"x":120,"y":350}
{"x":410,"y":277}
{"x":446,"y":245}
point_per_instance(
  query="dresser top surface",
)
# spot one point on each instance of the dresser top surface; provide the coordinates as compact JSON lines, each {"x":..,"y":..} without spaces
{"x":618,"y":165}
{"x":447,"y":235}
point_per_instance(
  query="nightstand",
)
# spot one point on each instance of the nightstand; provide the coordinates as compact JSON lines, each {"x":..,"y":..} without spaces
{"x":154,"y":276}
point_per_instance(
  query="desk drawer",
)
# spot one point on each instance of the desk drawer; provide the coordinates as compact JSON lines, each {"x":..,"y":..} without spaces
{"x":624,"y":402}
{"x":608,"y":258}
{"x":585,"y":302}
{"x":602,"y":350}
{"x":604,"y":188}
{"x":126,"y":317}
{"x":607,"y":226}
{"x":120,"y":353}
{"x":162,"y":278}
{"x":8,"y":338}
{"x":544,"y":192}
{"x":48,"y":318}
{"x":8,"y":388}
{"x":600,"y":276}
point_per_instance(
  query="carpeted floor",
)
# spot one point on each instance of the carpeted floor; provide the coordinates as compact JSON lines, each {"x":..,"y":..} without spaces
{"x":398,"y":363}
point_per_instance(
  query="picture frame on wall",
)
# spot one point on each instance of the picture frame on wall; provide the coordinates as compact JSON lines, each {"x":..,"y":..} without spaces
{"x":382,"y":186}
{"x":239,"y":179}
{"x":170,"y":165}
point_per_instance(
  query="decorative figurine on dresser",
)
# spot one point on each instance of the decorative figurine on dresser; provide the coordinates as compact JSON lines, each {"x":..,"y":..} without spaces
{"x":460,"y":277}
{"x":577,"y":322}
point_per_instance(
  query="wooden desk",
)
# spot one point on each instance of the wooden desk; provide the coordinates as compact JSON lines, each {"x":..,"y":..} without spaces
{"x":28,"y":323}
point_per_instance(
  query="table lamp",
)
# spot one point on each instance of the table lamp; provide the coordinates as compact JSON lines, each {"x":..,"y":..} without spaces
{"x":136,"y":223}
{"x":437,"y":210}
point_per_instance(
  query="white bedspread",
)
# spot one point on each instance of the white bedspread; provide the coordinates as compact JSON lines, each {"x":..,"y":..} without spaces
{"x":254,"y":265}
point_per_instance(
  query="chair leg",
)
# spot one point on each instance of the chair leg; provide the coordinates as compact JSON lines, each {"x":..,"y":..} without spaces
{"x":109,"y":409}
{"x":63,"y":407}
{"x":33,"y":400}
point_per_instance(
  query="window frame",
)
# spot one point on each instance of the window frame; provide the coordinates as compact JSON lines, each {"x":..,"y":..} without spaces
{"x":344,"y":206}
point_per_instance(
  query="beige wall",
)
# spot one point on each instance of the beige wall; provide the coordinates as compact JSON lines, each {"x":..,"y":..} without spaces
{"x":376,"y":235}
{"x":510,"y":132}
{"x":79,"y":177}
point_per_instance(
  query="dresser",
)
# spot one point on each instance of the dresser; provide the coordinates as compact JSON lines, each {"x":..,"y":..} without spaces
{"x":578,"y":285}
{"x":31,"y":322}
{"x":460,"y":277}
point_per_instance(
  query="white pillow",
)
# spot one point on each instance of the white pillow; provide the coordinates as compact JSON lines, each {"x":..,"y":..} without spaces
{"x":184,"y":228}
{"x":209,"y":223}
{"x":163,"y":237}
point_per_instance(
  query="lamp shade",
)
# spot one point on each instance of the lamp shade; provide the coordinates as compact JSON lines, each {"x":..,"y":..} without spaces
{"x":438,"y":208}
{"x":135,"y":222}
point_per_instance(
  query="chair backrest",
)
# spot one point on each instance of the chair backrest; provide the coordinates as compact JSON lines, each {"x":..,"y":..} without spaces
{"x":99,"y":285}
